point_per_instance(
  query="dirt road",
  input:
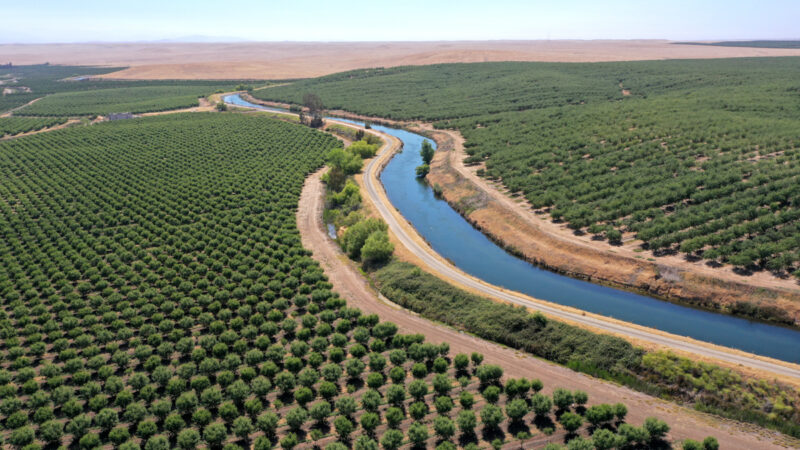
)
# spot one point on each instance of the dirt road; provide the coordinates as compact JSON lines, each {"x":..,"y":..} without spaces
{"x":349,"y":283}
{"x":436,"y":264}
{"x":554,"y":245}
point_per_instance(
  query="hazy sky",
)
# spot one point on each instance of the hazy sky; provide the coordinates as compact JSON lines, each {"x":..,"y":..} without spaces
{"x":379,"y":20}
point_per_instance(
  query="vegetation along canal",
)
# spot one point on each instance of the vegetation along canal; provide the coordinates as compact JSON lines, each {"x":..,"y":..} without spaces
{"x":457,"y":240}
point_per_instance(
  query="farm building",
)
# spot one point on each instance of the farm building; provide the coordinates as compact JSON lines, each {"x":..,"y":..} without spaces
{"x":120,"y":116}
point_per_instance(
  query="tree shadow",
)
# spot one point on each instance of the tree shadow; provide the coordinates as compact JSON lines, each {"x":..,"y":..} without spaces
{"x":357,"y":383}
{"x":691,"y":257}
{"x":490,"y":434}
{"x":517,"y":426}
{"x":467,"y":438}
{"x":543,"y":422}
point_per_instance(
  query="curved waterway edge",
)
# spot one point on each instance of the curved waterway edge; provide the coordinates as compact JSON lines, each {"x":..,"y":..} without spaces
{"x":457,"y":241}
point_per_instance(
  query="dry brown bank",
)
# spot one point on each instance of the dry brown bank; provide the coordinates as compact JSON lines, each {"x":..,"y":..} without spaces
{"x":539,"y":240}
{"x":352,"y":285}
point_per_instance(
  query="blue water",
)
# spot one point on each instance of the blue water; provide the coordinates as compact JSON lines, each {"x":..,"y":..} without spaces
{"x":457,"y":240}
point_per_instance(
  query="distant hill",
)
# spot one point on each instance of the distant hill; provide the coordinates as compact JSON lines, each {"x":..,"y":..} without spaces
{"x":755,"y":44}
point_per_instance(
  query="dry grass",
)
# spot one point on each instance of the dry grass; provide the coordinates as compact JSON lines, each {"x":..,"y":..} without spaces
{"x":282,"y":60}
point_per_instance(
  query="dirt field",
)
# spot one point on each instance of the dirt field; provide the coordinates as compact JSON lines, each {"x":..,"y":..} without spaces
{"x":281,"y":60}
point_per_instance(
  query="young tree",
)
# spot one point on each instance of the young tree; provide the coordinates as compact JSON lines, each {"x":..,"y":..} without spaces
{"x":215,"y":434}
{"x":21,"y":437}
{"x":657,"y":429}
{"x":242,"y":427}
{"x":89,"y":441}
{"x":371,"y":400}
{"x":346,"y":405}
{"x":344,"y":427}
{"x":466,"y":422}
{"x":377,"y":248}
{"x":426,"y":152}
{"x":392,"y":439}
{"x":51,"y":431}
{"x":119,"y":435}
{"x":188,"y":439}
{"x":541,"y":404}
{"x":365,"y":443}
{"x":605,"y":440}
{"x":516,"y":409}
{"x":599,"y":414}
{"x":418,"y":389}
{"x":106,"y":419}
{"x":418,"y":410}
{"x":157,"y":442}
{"x":444,"y":427}
{"x":174,"y":424}
{"x":710,"y":443}
{"x":571,"y":422}
{"x":370,"y":421}
{"x":296,"y":417}
{"x":491,"y":416}
{"x":418,"y":434}
{"x":394,"y":416}
{"x":320,"y":411}
{"x":562,"y":398}
{"x":396,"y":394}
{"x":620,"y":411}
{"x":491,"y":394}
{"x":268,"y":423}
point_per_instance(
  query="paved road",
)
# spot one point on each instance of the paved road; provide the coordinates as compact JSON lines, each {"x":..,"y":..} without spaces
{"x":447,"y":271}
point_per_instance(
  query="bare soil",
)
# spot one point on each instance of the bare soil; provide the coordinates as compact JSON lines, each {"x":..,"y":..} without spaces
{"x":540,"y":240}
{"x":285,"y":60}
{"x":66,"y":124}
{"x":353,"y":286}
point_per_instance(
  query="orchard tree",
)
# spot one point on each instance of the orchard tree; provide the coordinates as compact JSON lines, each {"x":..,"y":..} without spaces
{"x":466,"y":422}
{"x":444,"y":427}
{"x":242,"y":427}
{"x":418,"y":434}
{"x":215,"y":434}
{"x":320,"y":411}
{"x":392,"y":439}
{"x":188,"y":439}
{"x":570,"y":421}
{"x":369,"y":422}
{"x":562,"y":398}
{"x":656,"y":429}
{"x":344,"y":427}
{"x":516,"y":409}
{"x":365,"y":443}
{"x":491,"y":416}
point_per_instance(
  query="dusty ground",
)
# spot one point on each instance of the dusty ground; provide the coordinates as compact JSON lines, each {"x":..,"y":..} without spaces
{"x":352,"y":285}
{"x":66,"y":124}
{"x":554,"y":245}
{"x":281,"y":60}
